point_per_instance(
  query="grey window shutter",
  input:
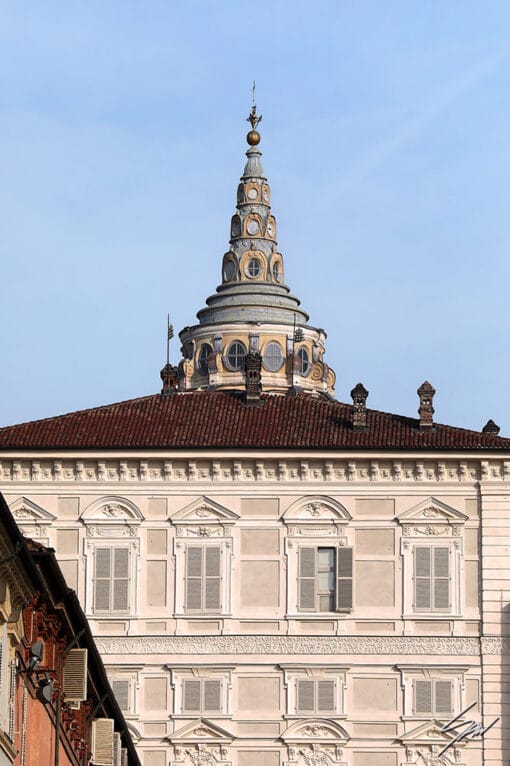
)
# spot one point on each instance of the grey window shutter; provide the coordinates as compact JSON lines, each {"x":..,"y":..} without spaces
{"x":325,"y":696}
{"x":422,"y":577}
{"x":422,"y":696}
{"x":194,"y":578}
{"x":212,"y":578}
{"x":212,"y":696}
{"x":121,"y":579}
{"x":191,"y":697}
{"x":307,"y":578}
{"x":121,"y":687}
{"x":75,"y":675}
{"x":305,"y":696}
{"x":443,"y":692}
{"x":102,"y":579}
{"x":102,"y":742}
{"x":343,"y":578}
{"x":441,"y":578}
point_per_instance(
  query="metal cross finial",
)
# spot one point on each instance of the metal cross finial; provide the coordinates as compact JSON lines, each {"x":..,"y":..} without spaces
{"x":253,"y":118}
{"x":169,"y":336}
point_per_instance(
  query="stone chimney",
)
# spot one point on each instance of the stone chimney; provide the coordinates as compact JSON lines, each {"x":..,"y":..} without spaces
{"x":252,"y":367}
{"x":426,"y":411}
{"x":490,"y":428}
{"x":359,"y":407}
{"x":170,"y":378}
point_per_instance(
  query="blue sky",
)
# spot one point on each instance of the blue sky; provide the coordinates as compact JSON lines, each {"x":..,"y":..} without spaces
{"x":385,"y":140}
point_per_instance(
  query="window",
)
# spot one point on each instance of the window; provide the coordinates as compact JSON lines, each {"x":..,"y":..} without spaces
{"x":303,"y":361}
{"x":315,"y":696}
{"x":325,"y":579}
{"x":273,"y":357}
{"x":235,"y":356}
{"x":431,"y":578}
{"x":201,"y":695}
{"x":203,"y":357}
{"x":201,"y":691}
{"x":203,"y":578}
{"x":276,"y":272}
{"x":432,"y":697}
{"x":111,"y":579}
{"x":254,"y":269}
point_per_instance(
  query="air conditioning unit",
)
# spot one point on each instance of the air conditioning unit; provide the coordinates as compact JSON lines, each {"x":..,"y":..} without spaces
{"x":75,"y":675}
{"x":102,"y":742}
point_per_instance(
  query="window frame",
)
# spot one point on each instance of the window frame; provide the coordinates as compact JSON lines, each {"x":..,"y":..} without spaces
{"x":454,"y":675}
{"x":181,"y":676}
{"x":302,"y":578}
{"x":228,"y":363}
{"x":180,"y":548}
{"x":294,"y":676}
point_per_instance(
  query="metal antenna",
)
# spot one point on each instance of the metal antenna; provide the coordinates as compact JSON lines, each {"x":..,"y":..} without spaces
{"x":169,"y":336}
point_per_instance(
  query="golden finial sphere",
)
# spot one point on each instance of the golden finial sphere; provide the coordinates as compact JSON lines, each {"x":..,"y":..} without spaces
{"x":253,"y":137}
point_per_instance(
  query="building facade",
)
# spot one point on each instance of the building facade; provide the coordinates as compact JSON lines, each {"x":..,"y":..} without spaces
{"x":274,"y":577}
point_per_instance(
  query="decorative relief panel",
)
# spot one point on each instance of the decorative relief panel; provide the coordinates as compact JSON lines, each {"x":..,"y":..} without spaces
{"x":315,"y":645}
{"x":315,"y":755}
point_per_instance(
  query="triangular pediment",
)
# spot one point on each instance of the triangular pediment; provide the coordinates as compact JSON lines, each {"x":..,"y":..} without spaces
{"x":314,"y":729}
{"x":429,"y":733}
{"x":112,"y":510}
{"x":25,"y":511}
{"x":201,"y":730}
{"x":203,"y":511}
{"x":316,"y":508}
{"x":431,"y":511}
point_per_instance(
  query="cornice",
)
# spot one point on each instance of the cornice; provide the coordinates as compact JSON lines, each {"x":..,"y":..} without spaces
{"x":223,"y":470}
{"x":292,"y":645}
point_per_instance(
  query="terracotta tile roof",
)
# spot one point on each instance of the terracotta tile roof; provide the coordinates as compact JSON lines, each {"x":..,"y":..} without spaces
{"x":221,"y":420}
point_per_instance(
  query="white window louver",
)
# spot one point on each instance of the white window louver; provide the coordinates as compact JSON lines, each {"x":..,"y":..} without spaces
{"x":116,"y":749}
{"x":123,"y":757}
{"x":102,"y":742}
{"x":75,"y":675}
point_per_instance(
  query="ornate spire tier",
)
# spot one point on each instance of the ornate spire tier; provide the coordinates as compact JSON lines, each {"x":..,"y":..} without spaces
{"x":252,"y":310}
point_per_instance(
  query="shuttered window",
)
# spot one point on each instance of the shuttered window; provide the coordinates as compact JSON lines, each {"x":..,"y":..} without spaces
{"x":203,"y":578}
{"x":324,"y":579}
{"x":432,"y":697}
{"x":102,"y":742}
{"x":111,"y":580}
{"x":121,"y":688}
{"x":202,"y":695}
{"x":75,"y":675}
{"x":431,"y":578}
{"x":315,"y":696}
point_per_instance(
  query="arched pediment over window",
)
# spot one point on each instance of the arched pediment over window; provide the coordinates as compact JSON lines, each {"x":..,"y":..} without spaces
{"x":112,"y":510}
{"x":314,"y":509}
{"x":314,"y":730}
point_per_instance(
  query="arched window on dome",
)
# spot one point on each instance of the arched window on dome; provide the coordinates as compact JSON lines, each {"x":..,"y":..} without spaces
{"x":202,"y":359}
{"x":303,"y":363}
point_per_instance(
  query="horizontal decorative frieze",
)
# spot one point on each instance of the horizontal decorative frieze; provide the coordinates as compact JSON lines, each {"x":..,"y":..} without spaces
{"x":283,"y":645}
{"x":248,"y":470}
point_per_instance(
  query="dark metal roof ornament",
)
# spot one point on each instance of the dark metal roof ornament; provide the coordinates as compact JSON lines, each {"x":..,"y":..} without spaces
{"x":253,"y":137}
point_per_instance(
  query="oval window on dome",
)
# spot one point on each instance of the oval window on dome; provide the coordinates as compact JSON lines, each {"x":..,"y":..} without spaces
{"x":272,"y":357}
{"x":276,"y":272}
{"x":234,"y":358}
{"x":303,"y":361}
{"x":254,"y":268}
{"x":203,"y":356}
{"x":253,"y":226}
{"x":253,"y":193}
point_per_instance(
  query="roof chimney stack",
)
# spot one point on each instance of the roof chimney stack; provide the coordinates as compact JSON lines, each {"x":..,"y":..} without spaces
{"x":490,"y":428}
{"x":169,"y":376}
{"x":252,"y":367}
{"x":359,"y":407}
{"x":426,"y":393}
